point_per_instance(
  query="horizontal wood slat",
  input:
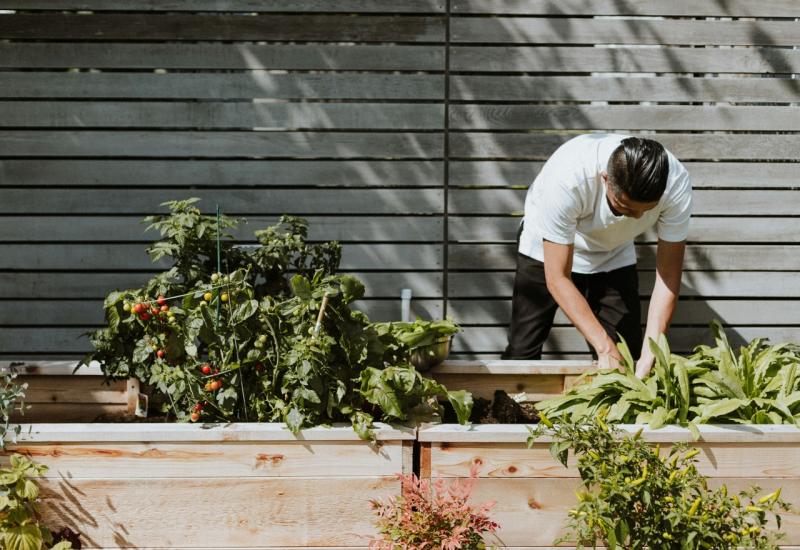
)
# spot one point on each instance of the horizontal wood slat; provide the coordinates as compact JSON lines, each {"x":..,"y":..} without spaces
{"x":242,"y":201}
{"x":125,"y":257}
{"x":702,"y":257}
{"x":569,"y":340}
{"x":89,"y":312}
{"x":271,"y":116}
{"x":524,"y":30}
{"x":701,"y":230}
{"x":77,"y":285}
{"x":224,"y":86}
{"x":118,"y":228}
{"x":66,"y":143}
{"x":647,"y":60}
{"x":221,"y":173}
{"x":620,"y":88}
{"x":707,"y":284}
{"x":14,"y":341}
{"x":303,"y":6}
{"x":729,"y":8}
{"x":704,"y":174}
{"x":244,"y":459}
{"x":589,"y":117}
{"x":705,"y":202}
{"x":173,"y":27}
{"x":245,"y":56}
{"x":688,"y":312}
{"x":532,"y":146}
{"x":279,"y":512}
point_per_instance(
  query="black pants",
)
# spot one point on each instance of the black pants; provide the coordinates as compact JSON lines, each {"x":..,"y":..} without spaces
{"x":613,"y":296}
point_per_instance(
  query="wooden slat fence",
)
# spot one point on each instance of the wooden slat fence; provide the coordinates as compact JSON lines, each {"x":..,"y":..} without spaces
{"x":407,"y":130}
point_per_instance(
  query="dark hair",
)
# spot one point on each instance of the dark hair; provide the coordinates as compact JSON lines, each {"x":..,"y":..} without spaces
{"x":639,"y":167}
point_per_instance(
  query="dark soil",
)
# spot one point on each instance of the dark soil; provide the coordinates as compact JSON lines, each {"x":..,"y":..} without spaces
{"x":500,"y":410}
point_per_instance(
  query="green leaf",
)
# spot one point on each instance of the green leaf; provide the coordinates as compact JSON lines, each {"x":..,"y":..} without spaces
{"x":23,"y":537}
{"x":461,"y":401}
{"x":301,"y":287}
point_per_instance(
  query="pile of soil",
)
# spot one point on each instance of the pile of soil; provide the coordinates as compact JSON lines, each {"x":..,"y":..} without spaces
{"x":502,"y":409}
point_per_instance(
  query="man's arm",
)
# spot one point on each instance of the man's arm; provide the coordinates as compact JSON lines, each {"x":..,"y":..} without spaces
{"x":669,"y":268}
{"x":557,"y":271}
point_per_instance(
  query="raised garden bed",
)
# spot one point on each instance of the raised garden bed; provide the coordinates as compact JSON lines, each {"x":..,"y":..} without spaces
{"x":58,"y":393}
{"x":537,"y":380}
{"x":534,"y":492}
{"x":214,"y":486}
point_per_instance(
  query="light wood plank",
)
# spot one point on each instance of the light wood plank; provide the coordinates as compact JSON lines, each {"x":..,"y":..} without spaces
{"x":73,"y":389}
{"x":219,"y":432}
{"x":514,"y":366}
{"x":511,"y":460}
{"x":534,"y":30}
{"x":307,"y":145}
{"x":534,"y":387}
{"x":285,"y":459}
{"x":704,"y":174}
{"x":616,"y":88}
{"x":640,"y":60}
{"x":327,"y":201}
{"x":590,"y":117}
{"x":689,"y":312}
{"x":254,"y":84}
{"x":741,"y":8}
{"x":203,"y":26}
{"x":731,"y":202}
{"x":222,"y":56}
{"x":73,"y":412}
{"x":266,"y":6}
{"x":79,"y":285}
{"x":222,"y":173}
{"x":569,"y":340}
{"x":495,"y":257}
{"x":260,"y":512}
{"x":477,"y":145}
{"x":128,"y":257}
{"x":753,"y":284}
{"x":701,"y":229}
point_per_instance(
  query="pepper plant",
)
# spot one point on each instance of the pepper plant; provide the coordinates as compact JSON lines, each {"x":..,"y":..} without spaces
{"x":633,"y":498}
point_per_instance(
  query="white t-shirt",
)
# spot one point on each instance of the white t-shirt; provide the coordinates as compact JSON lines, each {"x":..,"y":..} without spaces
{"x":567,"y":204}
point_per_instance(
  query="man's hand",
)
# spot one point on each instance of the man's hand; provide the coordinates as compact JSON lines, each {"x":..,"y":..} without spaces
{"x":644,"y":365}
{"x":610,"y":360}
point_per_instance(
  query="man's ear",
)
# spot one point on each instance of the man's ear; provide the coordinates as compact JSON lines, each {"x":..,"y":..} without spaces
{"x":604,"y":175}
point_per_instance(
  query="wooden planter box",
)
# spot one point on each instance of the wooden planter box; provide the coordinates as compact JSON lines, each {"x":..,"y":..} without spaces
{"x":58,"y":393}
{"x":534,"y":492}
{"x":215,"y":486}
{"x":537,"y":380}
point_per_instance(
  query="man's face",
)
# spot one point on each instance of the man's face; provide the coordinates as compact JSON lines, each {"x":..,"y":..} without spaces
{"x":621,"y":204}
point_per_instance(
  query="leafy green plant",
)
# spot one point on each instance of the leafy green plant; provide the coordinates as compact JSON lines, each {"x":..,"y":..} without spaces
{"x":423,"y":333}
{"x":12,"y":396}
{"x":432,"y":515}
{"x":663,"y":398}
{"x":19,"y":523}
{"x":262,"y":347}
{"x":760,"y":385}
{"x":632,"y":498}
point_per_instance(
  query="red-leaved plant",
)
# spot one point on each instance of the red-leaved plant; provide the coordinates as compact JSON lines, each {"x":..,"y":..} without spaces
{"x":432,"y":516}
